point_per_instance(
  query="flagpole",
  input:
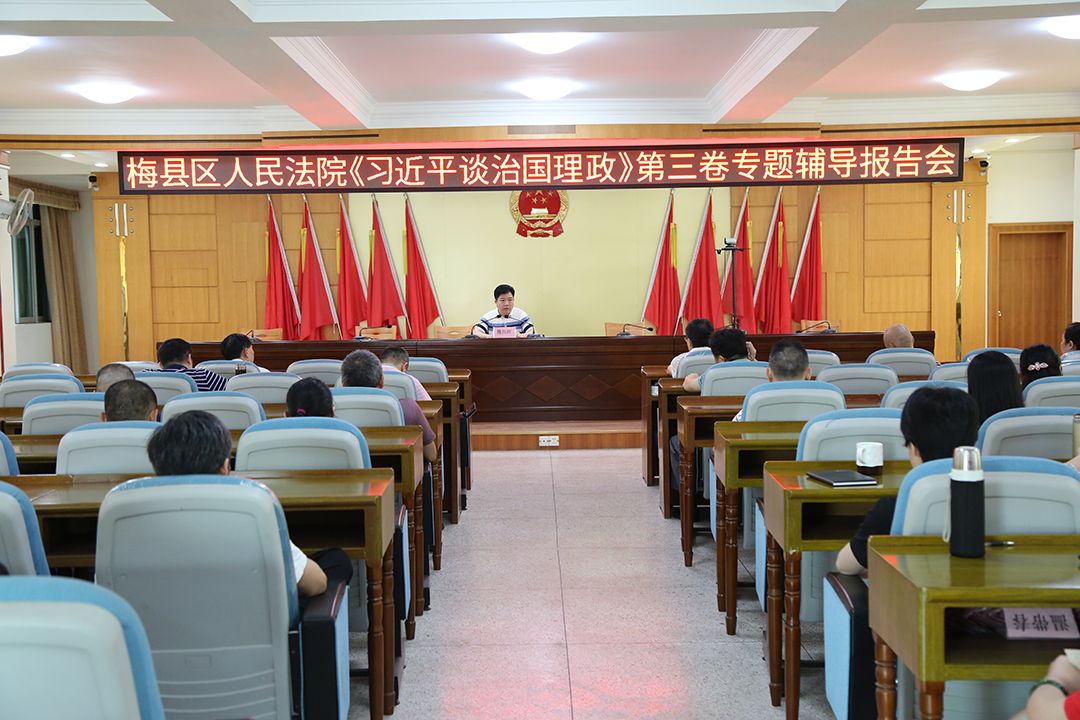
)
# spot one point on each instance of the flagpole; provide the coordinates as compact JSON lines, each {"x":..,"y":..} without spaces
{"x":693,"y":257}
{"x":310,"y":222}
{"x":730,"y":266}
{"x":659,"y":252}
{"x":768,"y":245}
{"x":806,"y":239}
{"x":423,"y":256}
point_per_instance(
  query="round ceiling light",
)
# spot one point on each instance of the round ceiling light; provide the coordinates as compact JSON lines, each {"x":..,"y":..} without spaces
{"x":1067,"y":27}
{"x":101,"y":165}
{"x":545,"y":88}
{"x":971,"y":80}
{"x":68,"y":156}
{"x":548,"y":43}
{"x":15,"y":44}
{"x":107,"y":93}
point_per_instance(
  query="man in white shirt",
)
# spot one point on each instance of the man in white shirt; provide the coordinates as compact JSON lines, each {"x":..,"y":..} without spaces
{"x":396,"y":359}
{"x":698,"y":331}
{"x":505,"y":315}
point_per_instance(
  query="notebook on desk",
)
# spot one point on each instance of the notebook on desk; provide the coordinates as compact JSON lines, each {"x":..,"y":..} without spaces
{"x":842,"y":478}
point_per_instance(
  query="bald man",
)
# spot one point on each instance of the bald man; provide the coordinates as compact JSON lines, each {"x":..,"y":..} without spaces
{"x":898,"y":336}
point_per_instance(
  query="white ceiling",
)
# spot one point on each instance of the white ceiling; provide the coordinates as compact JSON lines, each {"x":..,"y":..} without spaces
{"x":245,"y":66}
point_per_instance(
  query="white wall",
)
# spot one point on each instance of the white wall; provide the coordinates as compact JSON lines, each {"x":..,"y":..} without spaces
{"x":33,"y":342}
{"x":1076,"y":234}
{"x":82,"y":234}
{"x":1035,"y":186}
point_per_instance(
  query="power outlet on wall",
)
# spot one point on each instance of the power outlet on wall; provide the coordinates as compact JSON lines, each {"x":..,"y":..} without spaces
{"x":549,"y":441}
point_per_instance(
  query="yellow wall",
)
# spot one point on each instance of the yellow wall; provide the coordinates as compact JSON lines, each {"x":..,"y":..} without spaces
{"x":596,"y":271}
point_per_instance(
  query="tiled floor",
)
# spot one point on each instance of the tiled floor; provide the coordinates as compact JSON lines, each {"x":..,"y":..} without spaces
{"x":563,"y":595}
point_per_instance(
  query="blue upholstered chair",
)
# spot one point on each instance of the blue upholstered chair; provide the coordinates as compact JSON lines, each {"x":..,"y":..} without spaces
{"x":428,"y":369}
{"x":302,"y":443}
{"x":106,"y":447}
{"x":72,"y":649}
{"x":1013,"y":353}
{"x":733,"y":378}
{"x":36,"y":368}
{"x":367,"y":407}
{"x":400,"y":384}
{"x":955,"y":371}
{"x":1045,"y":432}
{"x":56,"y":414}
{"x":821,"y":359}
{"x":696,"y":360}
{"x":860,"y":378}
{"x":206,"y":559}
{"x":167,"y":385}
{"x":236,"y":410}
{"x":227,"y":368}
{"x":21,"y":551}
{"x":267,"y":388}
{"x":9,"y":464}
{"x":21,"y":389}
{"x":1053,"y":392}
{"x":897,"y":396}
{"x":907,"y":362}
{"x":329,"y":371}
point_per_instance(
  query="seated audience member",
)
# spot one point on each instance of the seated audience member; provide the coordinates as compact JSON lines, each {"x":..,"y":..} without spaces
{"x":130,"y":400}
{"x":898,"y":336}
{"x":1037,"y":362}
{"x":174,"y":355}
{"x":362,"y":369}
{"x":727,"y":345}
{"x":397,"y":359}
{"x":993,"y":382}
{"x":1070,"y":339}
{"x":238,"y":346}
{"x":698,"y":331}
{"x":505,"y":315}
{"x":1057,"y":696}
{"x":111,"y":374}
{"x":935,"y":421}
{"x":197,"y":443}
{"x":309,"y":397}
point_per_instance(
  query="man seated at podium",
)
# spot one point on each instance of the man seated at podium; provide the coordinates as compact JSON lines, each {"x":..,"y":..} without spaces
{"x":504,"y":318}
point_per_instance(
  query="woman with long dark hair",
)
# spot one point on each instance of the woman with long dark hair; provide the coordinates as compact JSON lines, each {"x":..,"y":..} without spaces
{"x":994,"y":383}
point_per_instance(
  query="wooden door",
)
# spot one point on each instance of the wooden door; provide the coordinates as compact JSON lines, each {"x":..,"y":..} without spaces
{"x":1030,"y":283}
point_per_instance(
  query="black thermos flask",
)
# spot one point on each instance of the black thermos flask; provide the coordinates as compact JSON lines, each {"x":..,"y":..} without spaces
{"x":967,"y":516}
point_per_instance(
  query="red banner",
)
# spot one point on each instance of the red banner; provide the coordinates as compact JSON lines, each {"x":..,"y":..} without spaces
{"x":663,"y":164}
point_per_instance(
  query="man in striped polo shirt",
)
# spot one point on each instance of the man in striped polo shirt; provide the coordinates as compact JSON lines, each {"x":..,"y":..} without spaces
{"x":505,"y":315}
{"x":174,"y":355}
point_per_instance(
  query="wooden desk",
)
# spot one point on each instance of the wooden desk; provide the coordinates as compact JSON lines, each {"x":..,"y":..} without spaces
{"x":915,"y":580}
{"x":650,"y":408}
{"x":463,"y":378}
{"x":740,"y":451}
{"x":433,"y":412}
{"x":669,"y":390}
{"x":89,"y":382}
{"x":351,"y":509}
{"x":448,"y":395}
{"x":573,"y":378}
{"x":802,"y":514}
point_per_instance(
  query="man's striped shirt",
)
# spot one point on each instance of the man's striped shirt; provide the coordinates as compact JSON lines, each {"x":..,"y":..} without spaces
{"x":205,"y":380}
{"x":518,"y":320}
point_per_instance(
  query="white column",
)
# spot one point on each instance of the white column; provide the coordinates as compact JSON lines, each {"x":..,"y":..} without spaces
{"x":7,"y":282}
{"x":1076,"y":230}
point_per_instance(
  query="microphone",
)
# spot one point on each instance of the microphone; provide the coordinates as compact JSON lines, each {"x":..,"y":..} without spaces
{"x":828,"y":328}
{"x":624,"y":333}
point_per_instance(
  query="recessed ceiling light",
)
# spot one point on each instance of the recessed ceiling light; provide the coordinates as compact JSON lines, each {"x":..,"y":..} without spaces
{"x":1067,"y":27}
{"x":68,"y":156}
{"x":548,"y":43}
{"x":101,"y":164}
{"x":978,"y":151}
{"x":971,"y":80}
{"x":15,"y":44}
{"x":545,"y":88}
{"x":107,"y":93}
{"x":1012,"y":140}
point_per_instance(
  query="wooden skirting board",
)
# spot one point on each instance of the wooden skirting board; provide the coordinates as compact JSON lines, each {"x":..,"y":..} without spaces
{"x":578,"y":435}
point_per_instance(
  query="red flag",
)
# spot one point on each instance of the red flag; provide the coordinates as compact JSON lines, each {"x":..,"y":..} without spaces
{"x":385,"y":303}
{"x":662,"y":297}
{"x":701,"y":299}
{"x":282,"y":310}
{"x":773,"y":295}
{"x":806,"y":295}
{"x":316,"y":302}
{"x":352,"y":287}
{"x":742,"y":283}
{"x":421,"y":304}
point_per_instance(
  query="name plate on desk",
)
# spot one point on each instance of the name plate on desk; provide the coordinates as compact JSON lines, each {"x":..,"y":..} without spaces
{"x":1028,"y":623}
{"x":504,"y":332}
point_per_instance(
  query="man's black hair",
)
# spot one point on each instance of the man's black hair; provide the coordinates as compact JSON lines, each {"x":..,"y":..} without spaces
{"x":728,"y":343}
{"x":192,"y":443}
{"x":395,"y":355}
{"x":1072,"y":334}
{"x":503,"y":289}
{"x":233,"y":345}
{"x":937,"y":420}
{"x":698,"y":331}
{"x":173,"y":351}
{"x":788,"y":360}
{"x":129,"y":400}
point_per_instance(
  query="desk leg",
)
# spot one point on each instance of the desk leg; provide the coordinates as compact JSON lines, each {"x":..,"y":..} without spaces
{"x":774,"y":569}
{"x":453,"y":489}
{"x":686,"y":503}
{"x":417,"y":544}
{"x":664,"y":463}
{"x":436,"y":513}
{"x":731,"y":556}
{"x":376,"y":649}
{"x":792,"y":633}
{"x":721,"y":524}
{"x":389,"y":619}
{"x":930,"y":699}
{"x":885,"y":676}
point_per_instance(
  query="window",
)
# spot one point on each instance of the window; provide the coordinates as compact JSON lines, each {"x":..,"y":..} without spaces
{"x":31,"y":292}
